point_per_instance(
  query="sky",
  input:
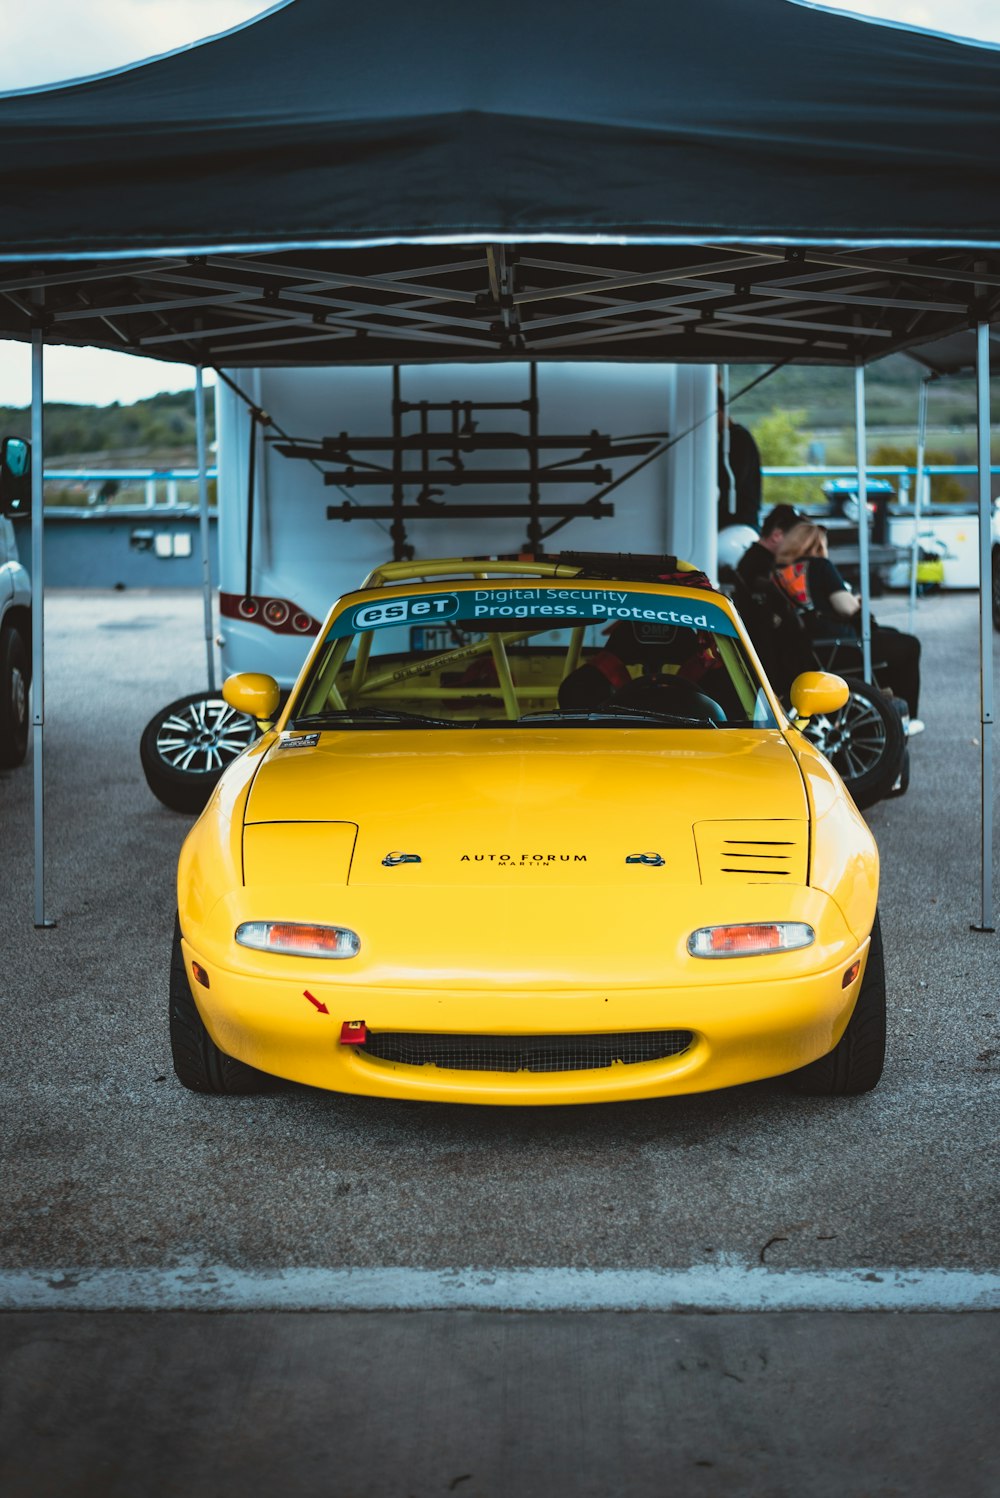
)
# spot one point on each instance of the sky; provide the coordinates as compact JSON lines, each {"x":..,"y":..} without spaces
{"x":47,"y":41}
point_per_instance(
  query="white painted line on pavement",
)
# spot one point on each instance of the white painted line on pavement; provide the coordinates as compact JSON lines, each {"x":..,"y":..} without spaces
{"x":726,"y":1287}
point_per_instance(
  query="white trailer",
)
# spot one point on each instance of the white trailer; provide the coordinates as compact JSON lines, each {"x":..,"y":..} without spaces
{"x":283,"y":561}
{"x":304,"y":559}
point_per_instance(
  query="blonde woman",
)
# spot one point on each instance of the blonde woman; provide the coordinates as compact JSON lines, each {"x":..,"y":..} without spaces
{"x":804,"y":573}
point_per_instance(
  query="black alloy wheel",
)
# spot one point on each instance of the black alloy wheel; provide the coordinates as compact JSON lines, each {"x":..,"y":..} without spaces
{"x":864,"y":741}
{"x":13,"y":698}
{"x":186,"y":746}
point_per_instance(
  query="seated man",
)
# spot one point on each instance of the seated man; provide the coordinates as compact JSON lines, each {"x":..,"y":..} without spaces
{"x":758,"y":560}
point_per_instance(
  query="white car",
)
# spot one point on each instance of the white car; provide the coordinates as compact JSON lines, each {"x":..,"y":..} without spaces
{"x":15,"y":605}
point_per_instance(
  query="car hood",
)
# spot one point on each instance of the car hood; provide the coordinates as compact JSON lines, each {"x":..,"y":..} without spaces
{"x":531,"y":808}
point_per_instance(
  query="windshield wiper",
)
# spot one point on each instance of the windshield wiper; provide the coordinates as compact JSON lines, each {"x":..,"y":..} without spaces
{"x":337,"y":717}
{"x":606,"y":714}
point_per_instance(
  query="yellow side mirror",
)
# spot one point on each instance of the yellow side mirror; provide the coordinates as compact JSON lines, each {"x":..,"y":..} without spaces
{"x":817,"y":692}
{"x":252,"y":693}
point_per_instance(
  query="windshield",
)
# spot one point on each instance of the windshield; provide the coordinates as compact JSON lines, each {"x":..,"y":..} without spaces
{"x":540,"y":656}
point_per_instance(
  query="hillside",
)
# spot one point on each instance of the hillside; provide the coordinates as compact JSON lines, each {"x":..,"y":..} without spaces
{"x":826,"y":396}
{"x":158,"y":432}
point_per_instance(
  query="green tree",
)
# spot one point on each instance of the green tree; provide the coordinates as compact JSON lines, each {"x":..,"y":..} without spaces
{"x":783,"y":445}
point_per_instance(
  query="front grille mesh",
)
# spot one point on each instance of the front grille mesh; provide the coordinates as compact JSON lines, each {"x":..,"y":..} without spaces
{"x":535,"y":1053}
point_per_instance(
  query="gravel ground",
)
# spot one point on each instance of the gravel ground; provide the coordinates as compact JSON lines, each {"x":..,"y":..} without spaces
{"x":110,"y":1162}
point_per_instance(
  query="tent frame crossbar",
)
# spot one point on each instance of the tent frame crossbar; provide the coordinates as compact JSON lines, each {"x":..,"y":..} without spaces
{"x":236,"y":309}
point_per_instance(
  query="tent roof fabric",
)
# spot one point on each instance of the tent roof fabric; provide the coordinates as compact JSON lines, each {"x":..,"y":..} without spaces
{"x":741,"y":179}
{"x":954,"y":355}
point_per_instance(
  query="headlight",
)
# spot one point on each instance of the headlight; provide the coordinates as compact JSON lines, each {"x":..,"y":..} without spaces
{"x":297,"y":940}
{"x":750,"y":940}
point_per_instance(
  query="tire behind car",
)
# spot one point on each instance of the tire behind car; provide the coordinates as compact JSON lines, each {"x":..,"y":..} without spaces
{"x":187,"y":787}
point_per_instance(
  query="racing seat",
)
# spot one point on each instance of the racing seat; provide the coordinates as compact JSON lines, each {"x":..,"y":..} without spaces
{"x":699,"y":688}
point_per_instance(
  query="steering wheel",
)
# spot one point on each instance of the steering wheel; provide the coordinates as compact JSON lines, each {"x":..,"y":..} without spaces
{"x":669,"y":694}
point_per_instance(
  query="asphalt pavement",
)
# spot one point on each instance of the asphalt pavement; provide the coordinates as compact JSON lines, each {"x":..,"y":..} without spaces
{"x":112,"y":1169}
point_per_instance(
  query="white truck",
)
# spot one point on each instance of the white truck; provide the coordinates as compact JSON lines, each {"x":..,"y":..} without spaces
{"x":15,"y":604}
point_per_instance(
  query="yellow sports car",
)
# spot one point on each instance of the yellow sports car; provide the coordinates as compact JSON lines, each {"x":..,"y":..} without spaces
{"x":529,"y":831}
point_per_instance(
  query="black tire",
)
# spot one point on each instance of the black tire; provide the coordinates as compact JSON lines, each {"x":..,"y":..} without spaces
{"x":187,"y":745}
{"x":864,"y":741}
{"x":856,"y":1061}
{"x":198,"y":1062}
{"x":14,"y":678}
{"x":995,"y":570}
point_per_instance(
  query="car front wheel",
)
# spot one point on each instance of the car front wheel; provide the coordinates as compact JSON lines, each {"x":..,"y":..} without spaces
{"x":186,"y":746}
{"x":198,"y":1062}
{"x":856,"y":1061}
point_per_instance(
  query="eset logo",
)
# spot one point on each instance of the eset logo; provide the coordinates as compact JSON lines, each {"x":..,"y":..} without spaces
{"x":406,"y":611}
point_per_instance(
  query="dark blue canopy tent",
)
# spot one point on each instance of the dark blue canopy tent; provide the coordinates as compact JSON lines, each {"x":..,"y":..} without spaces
{"x":740,"y":180}
{"x":737,"y":179}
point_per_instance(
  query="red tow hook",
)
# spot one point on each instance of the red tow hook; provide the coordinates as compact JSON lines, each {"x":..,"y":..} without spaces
{"x":353,"y":1032}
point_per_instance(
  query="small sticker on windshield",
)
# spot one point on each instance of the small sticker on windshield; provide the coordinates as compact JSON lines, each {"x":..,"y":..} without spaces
{"x":423,"y":610}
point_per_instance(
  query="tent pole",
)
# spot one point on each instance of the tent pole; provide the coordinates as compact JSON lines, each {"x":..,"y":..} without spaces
{"x":918,"y":489}
{"x":861,"y":437}
{"x":38,"y":621}
{"x":206,"y":550}
{"x":985,"y":622}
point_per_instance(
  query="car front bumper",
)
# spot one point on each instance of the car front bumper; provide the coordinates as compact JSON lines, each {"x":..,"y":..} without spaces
{"x":746,"y":1026}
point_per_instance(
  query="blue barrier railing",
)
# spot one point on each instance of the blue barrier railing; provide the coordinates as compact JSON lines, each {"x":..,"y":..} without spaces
{"x":160,"y":488}
{"x":903,"y":473}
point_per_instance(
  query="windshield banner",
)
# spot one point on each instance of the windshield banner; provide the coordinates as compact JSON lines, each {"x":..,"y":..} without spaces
{"x":550,"y":608}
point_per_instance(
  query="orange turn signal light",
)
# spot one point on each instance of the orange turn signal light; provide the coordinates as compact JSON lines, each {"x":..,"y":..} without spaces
{"x":852,"y":973}
{"x":200,"y":974}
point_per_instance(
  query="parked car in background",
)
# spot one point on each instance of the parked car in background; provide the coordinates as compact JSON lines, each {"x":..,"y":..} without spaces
{"x":15,"y":604}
